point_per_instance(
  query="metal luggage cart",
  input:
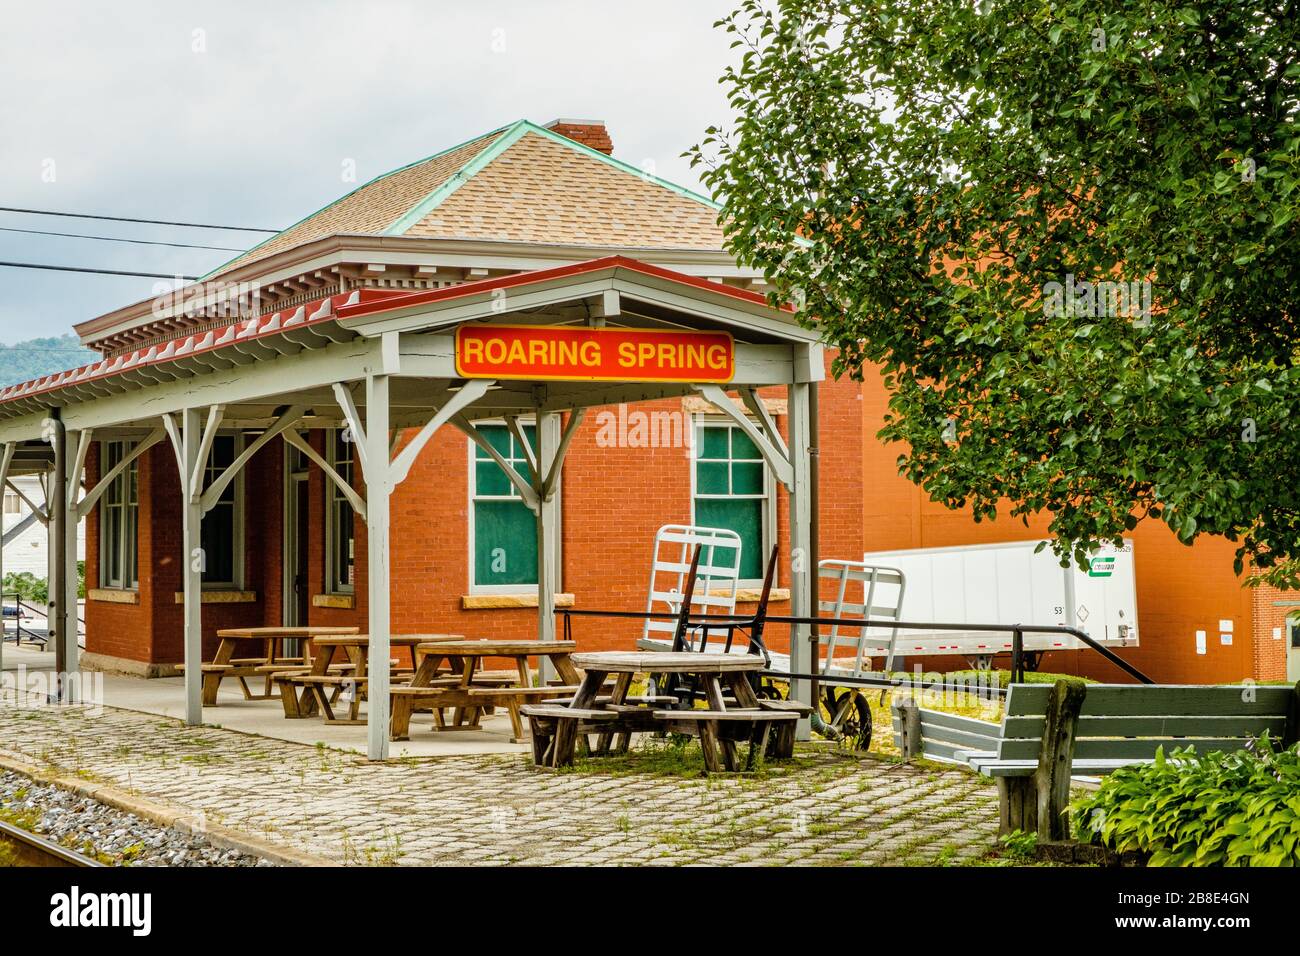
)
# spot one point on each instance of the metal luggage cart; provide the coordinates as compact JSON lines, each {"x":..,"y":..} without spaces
{"x":715,"y":584}
{"x":844,"y":713}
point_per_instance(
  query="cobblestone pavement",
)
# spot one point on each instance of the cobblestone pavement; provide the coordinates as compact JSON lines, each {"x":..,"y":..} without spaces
{"x":825,"y":808}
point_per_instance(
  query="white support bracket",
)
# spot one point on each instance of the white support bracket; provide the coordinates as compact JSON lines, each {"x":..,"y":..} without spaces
{"x":78,"y":468}
{"x":344,"y":398}
{"x":6,"y":460}
{"x":469,"y":393}
{"x":42,"y":514}
{"x":552,"y":479}
{"x":530,"y":454}
{"x":106,"y":479}
{"x":174,"y":435}
{"x":354,"y":499}
{"x":214,"y":490}
{"x":195,"y":483}
{"x":526,"y":490}
{"x":778,"y":460}
{"x":759,"y":411}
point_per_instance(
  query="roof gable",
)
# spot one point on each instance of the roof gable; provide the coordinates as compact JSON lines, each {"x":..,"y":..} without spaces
{"x":372,"y":207}
{"x":534,"y":185}
{"x":520,"y":183}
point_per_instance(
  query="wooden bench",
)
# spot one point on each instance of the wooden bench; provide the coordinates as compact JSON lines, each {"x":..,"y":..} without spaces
{"x":1050,"y":732}
{"x":555,"y":729}
{"x":711,"y":726}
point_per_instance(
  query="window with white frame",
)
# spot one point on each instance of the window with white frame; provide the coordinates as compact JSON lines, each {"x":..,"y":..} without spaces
{"x":222,"y":536}
{"x":339,"y":523}
{"x":119,"y":517}
{"x":731,"y":489}
{"x":503,"y":530}
{"x":12,"y":506}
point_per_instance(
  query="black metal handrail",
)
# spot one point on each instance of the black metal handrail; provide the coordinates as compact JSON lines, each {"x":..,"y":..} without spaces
{"x":1017,"y":632}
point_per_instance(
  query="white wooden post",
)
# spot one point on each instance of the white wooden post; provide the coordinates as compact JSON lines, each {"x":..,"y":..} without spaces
{"x":68,"y":601}
{"x":548,"y":531}
{"x":377,"y":470}
{"x":56,"y":493}
{"x":5,"y":460}
{"x":801,"y":575}
{"x":192,"y":559}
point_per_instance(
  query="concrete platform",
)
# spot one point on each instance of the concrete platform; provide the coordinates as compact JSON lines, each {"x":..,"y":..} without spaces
{"x":165,"y":697}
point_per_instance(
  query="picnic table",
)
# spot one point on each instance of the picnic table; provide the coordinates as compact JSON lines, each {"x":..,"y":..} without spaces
{"x":339,"y":667}
{"x":271,"y":659}
{"x":557,"y":727}
{"x":467,"y":690}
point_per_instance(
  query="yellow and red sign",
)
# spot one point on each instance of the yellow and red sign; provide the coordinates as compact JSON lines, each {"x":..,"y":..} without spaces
{"x":567,"y":353}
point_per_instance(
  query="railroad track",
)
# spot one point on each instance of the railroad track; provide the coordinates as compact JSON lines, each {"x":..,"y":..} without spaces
{"x":28,"y":849}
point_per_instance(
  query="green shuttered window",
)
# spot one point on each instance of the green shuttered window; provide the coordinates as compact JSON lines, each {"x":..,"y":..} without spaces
{"x":731,"y":491}
{"x":505,"y":530}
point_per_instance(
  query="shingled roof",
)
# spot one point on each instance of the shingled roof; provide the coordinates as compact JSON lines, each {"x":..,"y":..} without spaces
{"x":521,"y":183}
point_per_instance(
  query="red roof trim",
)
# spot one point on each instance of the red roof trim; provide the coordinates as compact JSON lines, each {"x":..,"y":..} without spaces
{"x":546,"y":275}
{"x":244,"y":330}
{"x":367,"y":302}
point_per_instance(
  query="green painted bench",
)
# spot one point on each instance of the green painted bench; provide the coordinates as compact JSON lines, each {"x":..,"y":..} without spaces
{"x":1050,"y":733}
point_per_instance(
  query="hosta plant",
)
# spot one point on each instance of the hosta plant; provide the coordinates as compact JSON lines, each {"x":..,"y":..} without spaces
{"x":1220,"y":809}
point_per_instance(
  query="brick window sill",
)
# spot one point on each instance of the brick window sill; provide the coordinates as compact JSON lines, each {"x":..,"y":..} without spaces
{"x":221,"y":597}
{"x":752,"y":595}
{"x":498,"y":602}
{"x":113,"y":596}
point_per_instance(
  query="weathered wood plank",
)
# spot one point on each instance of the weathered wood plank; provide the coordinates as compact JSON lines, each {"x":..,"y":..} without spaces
{"x":1131,"y":747}
{"x":1154,"y":726}
{"x":1122,"y":700}
{"x":951,"y":735}
{"x":1052,"y":778}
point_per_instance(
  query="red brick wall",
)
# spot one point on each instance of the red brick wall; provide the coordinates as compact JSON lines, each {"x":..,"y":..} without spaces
{"x":1270,"y":651}
{"x":612,"y":502}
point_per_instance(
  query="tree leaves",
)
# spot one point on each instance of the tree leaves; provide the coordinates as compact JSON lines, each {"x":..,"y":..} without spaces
{"x":1070,"y":230}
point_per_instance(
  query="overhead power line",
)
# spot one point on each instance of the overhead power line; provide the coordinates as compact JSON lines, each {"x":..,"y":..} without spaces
{"x":102,"y":272}
{"x":151,"y":222}
{"x":138,"y":242}
{"x":24,"y":348}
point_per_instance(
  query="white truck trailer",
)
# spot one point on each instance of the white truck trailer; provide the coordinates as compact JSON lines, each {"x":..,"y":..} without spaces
{"x":1011,"y":583}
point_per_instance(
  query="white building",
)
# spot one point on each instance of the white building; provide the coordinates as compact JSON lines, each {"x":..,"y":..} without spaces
{"x":26,"y":541}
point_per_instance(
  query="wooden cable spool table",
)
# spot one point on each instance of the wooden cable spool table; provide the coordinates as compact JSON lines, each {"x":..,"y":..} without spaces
{"x":556,"y":727}
{"x":468,"y":694}
{"x":224,"y":663}
{"x":304,"y":692}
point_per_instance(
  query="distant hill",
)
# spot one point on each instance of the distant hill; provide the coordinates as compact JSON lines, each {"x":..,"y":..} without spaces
{"x":36,"y":357}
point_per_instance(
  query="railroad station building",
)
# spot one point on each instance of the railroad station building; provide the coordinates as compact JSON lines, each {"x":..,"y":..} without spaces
{"x":460,"y":294}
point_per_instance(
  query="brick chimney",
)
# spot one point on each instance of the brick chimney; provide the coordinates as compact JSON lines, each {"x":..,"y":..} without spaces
{"x":590,"y":133}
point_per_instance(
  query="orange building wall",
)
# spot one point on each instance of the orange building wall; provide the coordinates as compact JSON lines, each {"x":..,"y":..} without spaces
{"x":1180,"y":589}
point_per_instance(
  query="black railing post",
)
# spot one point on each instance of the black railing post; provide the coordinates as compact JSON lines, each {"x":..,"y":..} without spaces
{"x":1017,"y":656}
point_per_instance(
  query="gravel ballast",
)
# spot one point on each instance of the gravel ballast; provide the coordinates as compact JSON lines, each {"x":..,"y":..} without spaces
{"x":110,"y":835}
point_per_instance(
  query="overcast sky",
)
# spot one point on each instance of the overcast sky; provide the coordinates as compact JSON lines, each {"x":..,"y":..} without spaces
{"x":244,"y":113}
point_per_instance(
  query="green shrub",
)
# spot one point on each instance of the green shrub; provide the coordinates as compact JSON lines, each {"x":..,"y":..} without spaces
{"x":36,"y":590}
{"x":27,"y":586}
{"x":1222,"y":809}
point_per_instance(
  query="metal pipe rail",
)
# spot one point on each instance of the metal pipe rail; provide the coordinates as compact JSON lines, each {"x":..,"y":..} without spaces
{"x":1017,"y":631}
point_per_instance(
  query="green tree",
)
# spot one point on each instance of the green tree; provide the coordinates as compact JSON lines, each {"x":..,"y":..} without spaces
{"x":33,"y":358}
{"x":965,"y":176}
